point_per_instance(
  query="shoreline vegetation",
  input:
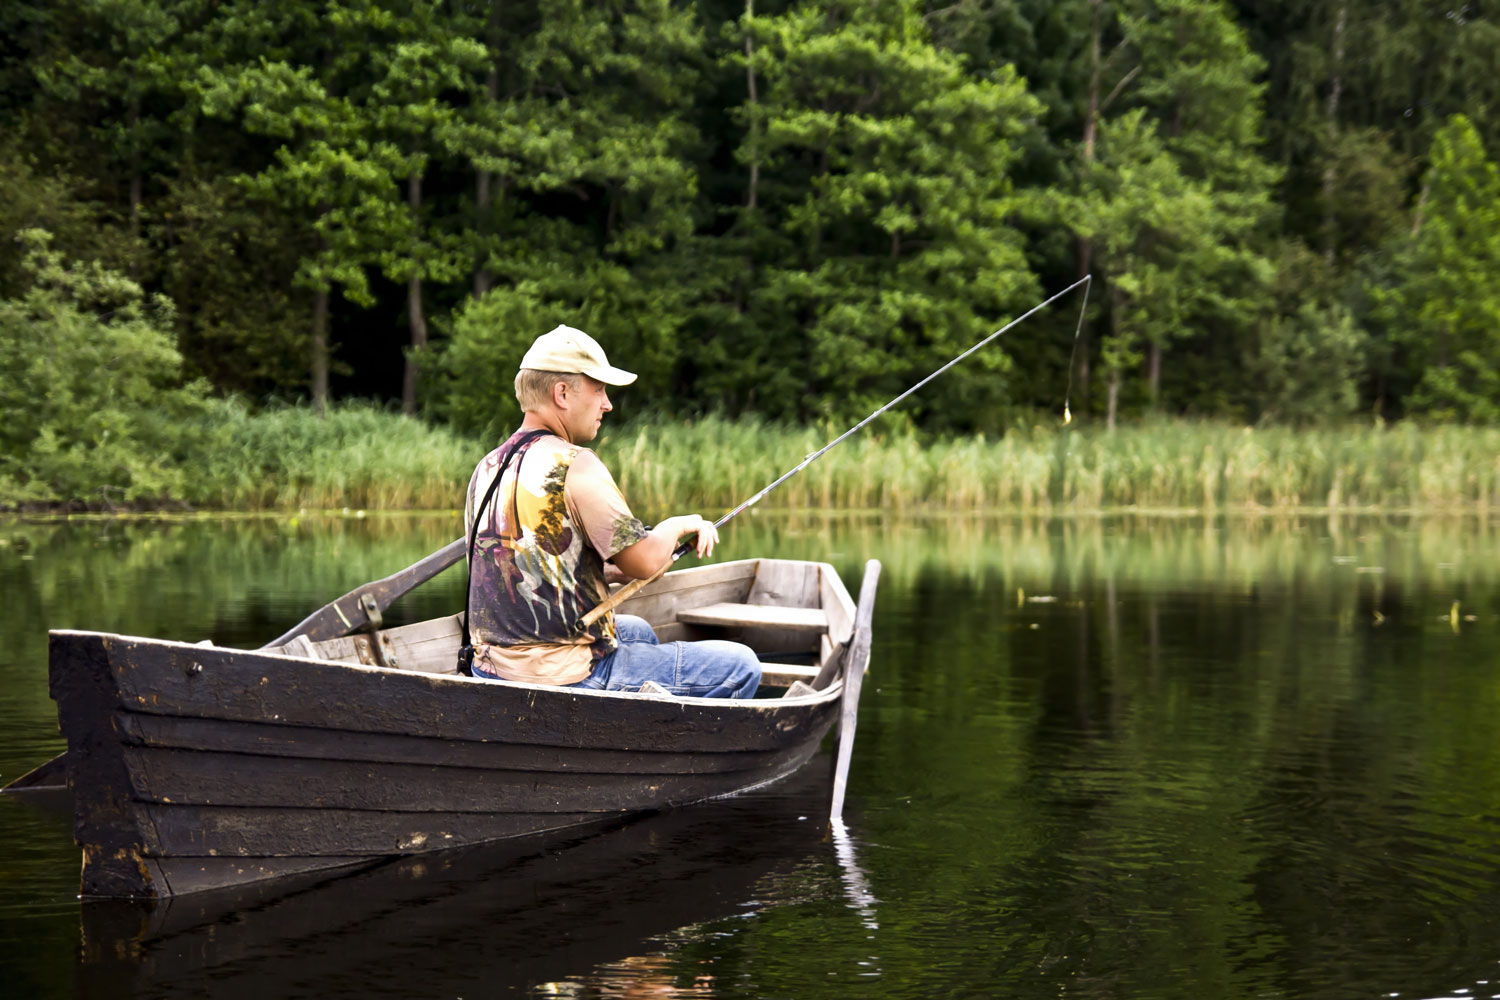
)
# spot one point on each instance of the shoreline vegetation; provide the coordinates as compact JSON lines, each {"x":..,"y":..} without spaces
{"x":363,"y":458}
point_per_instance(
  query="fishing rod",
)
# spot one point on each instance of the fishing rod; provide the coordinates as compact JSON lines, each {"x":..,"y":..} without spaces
{"x":634,"y":586}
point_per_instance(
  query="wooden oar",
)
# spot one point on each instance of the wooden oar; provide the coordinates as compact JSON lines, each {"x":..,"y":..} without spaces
{"x":357,"y":609}
{"x":363,"y":605}
{"x":855,"y":661}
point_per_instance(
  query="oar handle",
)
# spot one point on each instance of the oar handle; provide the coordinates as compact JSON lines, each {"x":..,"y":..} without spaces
{"x":630,"y":589}
{"x":614,"y":600}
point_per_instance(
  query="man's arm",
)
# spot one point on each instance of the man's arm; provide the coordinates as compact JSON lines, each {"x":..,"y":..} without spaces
{"x":645,"y":557}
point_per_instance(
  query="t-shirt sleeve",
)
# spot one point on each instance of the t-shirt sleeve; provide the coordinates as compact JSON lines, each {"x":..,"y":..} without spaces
{"x":599,"y":508}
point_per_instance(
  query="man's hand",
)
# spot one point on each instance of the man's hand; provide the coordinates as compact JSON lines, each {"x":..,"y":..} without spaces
{"x":652,"y":553}
{"x":708,"y":535}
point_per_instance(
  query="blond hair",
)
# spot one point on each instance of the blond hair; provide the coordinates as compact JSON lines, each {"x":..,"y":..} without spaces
{"x":534,"y":388}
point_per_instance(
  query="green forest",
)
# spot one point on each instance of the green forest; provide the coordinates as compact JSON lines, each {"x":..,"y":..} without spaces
{"x":219,"y":211}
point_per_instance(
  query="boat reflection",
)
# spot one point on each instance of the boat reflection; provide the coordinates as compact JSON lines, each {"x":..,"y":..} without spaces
{"x":538,"y":917}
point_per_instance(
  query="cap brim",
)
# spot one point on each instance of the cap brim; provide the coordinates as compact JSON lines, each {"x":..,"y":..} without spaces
{"x":611,"y":375}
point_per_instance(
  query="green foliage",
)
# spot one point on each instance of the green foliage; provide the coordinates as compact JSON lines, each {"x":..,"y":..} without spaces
{"x":36,"y":200}
{"x":1306,"y":362}
{"x":792,"y":210}
{"x":884,"y":218}
{"x":354,"y":455}
{"x":1444,"y":307}
{"x":92,"y":405}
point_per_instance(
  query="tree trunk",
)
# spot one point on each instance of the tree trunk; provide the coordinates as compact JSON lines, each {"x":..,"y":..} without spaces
{"x":754,"y":110}
{"x":1330,"y":170}
{"x":483,"y":279}
{"x":320,"y":351}
{"x":414,"y":308}
{"x":136,"y":191}
{"x":1153,"y":373}
{"x":1114,"y":399}
{"x":1090,"y":136}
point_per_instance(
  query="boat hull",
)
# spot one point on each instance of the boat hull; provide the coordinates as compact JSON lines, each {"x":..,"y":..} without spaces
{"x":195,"y":767}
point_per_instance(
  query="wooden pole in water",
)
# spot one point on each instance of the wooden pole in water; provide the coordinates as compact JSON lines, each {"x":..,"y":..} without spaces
{"x":855,"y":662}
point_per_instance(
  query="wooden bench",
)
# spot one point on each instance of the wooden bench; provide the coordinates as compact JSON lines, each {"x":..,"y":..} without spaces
{"x":756,"y":616}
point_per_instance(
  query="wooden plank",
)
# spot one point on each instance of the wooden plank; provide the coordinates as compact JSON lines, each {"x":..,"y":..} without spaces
{"x":188,"y":875}
{"x":48,"y":777}
{"x":430,"y":646}
{"x":226,"y":831}
{"x":324,"y":744}
{"x":785,"y":583}
{"x":785,"y":674}
{"x":164,"y":678}
{"x":854,"y":671}
{"x":752,"y":615}
{"x":214,"y":831}
{"x":660,"y":609}
{"x":209,"y":778}
{"x":702,"y":576}
{"x":299,"y":645}
{"x":834,"y":599}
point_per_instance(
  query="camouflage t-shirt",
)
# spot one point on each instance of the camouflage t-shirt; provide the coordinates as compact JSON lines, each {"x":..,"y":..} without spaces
{"x":539,"y":560}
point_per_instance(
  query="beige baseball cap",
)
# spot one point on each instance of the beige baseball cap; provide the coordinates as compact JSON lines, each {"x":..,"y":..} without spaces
{"x":568,"y":350}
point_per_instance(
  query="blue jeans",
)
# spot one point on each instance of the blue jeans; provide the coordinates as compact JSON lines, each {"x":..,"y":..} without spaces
{"x":711,"y":668}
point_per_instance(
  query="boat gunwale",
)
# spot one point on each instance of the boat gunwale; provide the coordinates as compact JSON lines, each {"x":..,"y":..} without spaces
{"x":833,"y":690}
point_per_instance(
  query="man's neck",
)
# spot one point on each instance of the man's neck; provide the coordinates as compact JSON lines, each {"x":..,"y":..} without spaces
{"x":535,"y":421}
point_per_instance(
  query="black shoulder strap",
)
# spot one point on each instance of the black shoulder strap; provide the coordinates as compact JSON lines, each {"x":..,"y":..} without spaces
{"x":466,"y":649}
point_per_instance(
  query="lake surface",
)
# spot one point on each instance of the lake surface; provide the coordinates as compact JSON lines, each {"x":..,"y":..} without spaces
{"x":1122,"y":757}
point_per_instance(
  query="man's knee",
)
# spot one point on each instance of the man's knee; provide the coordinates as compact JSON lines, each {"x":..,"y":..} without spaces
{"x":746,"y":676}
{"x":629,"y":628}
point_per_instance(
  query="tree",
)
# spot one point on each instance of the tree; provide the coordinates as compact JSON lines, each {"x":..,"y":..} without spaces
{"x":1444,"y":306}
{"x":585,"y":151}
{"x":1182,"y":248}
{"x":97,"y":415}
{"x":432,"y":61}
{"x":302,"y":76}
{"x":881,"y":224}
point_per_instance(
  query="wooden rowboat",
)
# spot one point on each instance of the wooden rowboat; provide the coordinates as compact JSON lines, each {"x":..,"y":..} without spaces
{"x":198,"y":766}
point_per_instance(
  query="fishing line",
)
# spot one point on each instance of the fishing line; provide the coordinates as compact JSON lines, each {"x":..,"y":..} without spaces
{"x":1086,"y":281}
{"x":1067,"y":413}
{"x":609,"y":603}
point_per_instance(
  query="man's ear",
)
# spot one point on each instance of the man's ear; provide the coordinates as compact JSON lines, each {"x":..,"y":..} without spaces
{"x":560,"y":394}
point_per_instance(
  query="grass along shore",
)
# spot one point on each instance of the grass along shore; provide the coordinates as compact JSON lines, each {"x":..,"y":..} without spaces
{"x":363,"y":457}
{"x":1182,"y":465}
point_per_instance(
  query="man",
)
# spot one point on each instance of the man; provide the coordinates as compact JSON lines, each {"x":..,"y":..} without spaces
{"x":551,"y":527}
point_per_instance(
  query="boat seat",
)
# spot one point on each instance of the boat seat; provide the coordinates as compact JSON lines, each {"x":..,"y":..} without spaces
{"x":756,"y":616}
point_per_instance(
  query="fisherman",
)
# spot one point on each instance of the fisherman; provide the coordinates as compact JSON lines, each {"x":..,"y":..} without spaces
{"x":557,"y":529}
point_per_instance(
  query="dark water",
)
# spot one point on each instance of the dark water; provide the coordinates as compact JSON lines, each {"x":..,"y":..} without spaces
{"x":1121,"y":757}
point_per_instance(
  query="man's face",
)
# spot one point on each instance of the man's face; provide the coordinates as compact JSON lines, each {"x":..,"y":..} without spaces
{"x":586,"y":410}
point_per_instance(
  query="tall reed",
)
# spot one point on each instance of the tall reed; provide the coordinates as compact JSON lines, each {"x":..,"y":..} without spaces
{"x":360,"y":456}
{"x":353,"y":456}
{"x":713,"y":462}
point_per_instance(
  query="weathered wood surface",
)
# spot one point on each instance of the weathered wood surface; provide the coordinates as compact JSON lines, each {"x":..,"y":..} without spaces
{"x":319,"y":743}
{"x":659,"y":602}
{"x":48,"y":776}
{"x":785,"y":674}
{"x":784,"y":583}
{"x":857,"y":660}
{"x":200,"y":751}
{"x":274,"y":832}
{"x":164,"y":678}
{"x":183,"y":875}
{"x":200,"y":777}
{"x":798,"y":619}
